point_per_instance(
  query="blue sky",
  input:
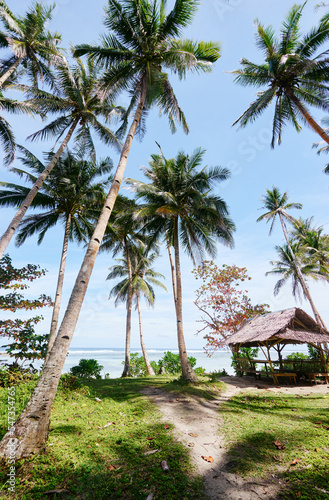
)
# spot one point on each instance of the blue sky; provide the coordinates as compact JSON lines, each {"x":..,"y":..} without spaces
{"x":211,"y":103}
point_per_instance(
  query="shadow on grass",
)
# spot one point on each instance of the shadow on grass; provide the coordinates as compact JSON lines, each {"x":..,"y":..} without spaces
{"x":299,"y":424}
{"x":95,"y":461}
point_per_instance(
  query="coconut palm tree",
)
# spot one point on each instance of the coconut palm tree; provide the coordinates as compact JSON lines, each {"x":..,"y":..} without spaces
{"x":122,"y":236}
{"x":142,"y":43}
{"x":294,"y":75}
{"x":143,"y":277}
{"x":179,"y":205}
{"x":79,"y":103}
{"x":286,"y":268}
{"x":69,"y":195}
{"x":276,"y":206}
{"x":33,"y":47}
{"x":314,"y":243}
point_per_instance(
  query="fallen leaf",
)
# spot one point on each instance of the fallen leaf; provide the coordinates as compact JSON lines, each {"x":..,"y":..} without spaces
{"x":278,"y":459}
{"x":294,"y":409}
{"x":207,"y":459}
{"x":170,"y":401}
{"x":166,"y":426}
{"x":279,"y":445}
{"x":191,"y":445}
{"x":149,"y":439}
{"x":88,"y":446}
{"x":111,"y":467}
{"x":193,"y":435}
{"x":319,"y":423}
{"x":295,"y":462}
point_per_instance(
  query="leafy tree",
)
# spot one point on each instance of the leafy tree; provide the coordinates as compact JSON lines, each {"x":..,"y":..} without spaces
{"x":314,"y":244}
{"x":223,"y":304}
{"x":276,"y":206}
{"x":70,"y":195}
{"x":143,"y":277}
{"x":294,"y":75}
{"x":87,"y":368}
{"x":32,"y":45}
{"x":79,"y":103}
{"x":172,"y":364}
{"x":26,"y":345}
{"x":179,"y":205}
{"x":143,"y":41}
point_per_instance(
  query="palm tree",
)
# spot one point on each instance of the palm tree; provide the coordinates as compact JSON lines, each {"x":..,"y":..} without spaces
{"x":143,"y":277}
{"x":314,"y":244}
{"x":69,"y":196}
{"x":286,"y":268}
{"x":7,"y":138}
{"x":180,"y":206}
{"x":293,"y":75}
{"x":143,"y":41}
{"x":79,"y":103}
{"x":32,"y":45}
{"x":122,"y":235}
{"x":277,"y":206}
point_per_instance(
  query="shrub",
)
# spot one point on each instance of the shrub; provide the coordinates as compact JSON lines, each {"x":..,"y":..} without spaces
{"x":69,"y":382}
{"x":171,"y":362}
{"x":14,"y":375}
{"x":87,"y":368}
{"x":200,"y":371}
{"x":214,"y":376}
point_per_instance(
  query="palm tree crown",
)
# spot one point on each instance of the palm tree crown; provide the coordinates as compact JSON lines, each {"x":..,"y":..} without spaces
{"x":32,"y":45}
{"x":276,"y":206}
{"x":142,"y":41}
{"x":293,"y":74}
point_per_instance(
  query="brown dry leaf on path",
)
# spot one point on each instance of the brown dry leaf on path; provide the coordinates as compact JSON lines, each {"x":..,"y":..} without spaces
{"x":295,"y":462}
{"x":279,"y":445}
{"x":192,"y":435}
{"x":207,"y":459}
{"x":191,"y":445}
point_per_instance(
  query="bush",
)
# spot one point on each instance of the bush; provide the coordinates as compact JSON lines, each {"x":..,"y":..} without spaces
{"x":200,"y":371}
{"x":87,"y":368}
{"x":69,"y":382}
{"x":171,"y":363}
{"x":14,"y":375}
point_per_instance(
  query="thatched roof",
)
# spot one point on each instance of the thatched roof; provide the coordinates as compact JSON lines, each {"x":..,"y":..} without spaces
{"x":292,"y":326}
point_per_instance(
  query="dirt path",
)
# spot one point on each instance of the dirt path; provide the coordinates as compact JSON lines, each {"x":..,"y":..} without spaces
{"x":196,"y":424}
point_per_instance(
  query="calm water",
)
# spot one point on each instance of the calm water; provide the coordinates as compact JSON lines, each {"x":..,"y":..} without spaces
{"x":111,"y":359}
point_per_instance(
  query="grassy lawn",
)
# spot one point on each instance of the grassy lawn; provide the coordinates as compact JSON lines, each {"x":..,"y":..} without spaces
{"x":254,"y":421}
{"x":95,"y":462}
{"x":104,"y":449}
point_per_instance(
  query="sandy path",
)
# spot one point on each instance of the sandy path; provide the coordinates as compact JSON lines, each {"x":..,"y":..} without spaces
{"x":196,"y":424}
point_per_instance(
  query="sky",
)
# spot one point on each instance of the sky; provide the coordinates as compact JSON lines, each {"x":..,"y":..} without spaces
{"x":211,"y":102}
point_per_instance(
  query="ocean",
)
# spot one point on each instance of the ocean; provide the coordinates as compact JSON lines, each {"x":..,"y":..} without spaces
{"x":111,"y":359}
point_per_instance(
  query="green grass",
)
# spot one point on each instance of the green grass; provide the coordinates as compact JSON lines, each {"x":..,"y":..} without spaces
{"x":105,"y":463}
{"x":253,"y":421}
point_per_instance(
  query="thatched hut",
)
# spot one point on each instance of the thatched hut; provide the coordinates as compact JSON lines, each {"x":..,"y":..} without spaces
{"x":291,"y":326}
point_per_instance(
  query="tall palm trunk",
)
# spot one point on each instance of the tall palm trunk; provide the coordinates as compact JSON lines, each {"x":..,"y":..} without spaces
{"x":5,"y":239}
{"x":315,"y":126}
{"x":32,"y":426}
{"x":304,"y":286}
{"x":59,"y":289}
{"x":10,"y":71}
{"x":126,"y":370}
{"x":149,"y":368}
{"x":172,"y":268}
{"x":187,"y":371}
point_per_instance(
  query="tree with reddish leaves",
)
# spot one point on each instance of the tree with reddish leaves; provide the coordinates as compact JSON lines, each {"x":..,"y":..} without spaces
{"x":223,"y":303}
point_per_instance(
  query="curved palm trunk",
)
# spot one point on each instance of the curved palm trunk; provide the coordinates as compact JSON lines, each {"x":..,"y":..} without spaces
{"x":10,"y":71}
{"x":187,"y":371}
{"x":32,"y":426}
{"x":149,"y":368}
{"x":315,"y":126}
{"x":305,"y":288}
{"x":126,"y":370}
{"x":5,"y":239}
{"x":59,"y":289}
